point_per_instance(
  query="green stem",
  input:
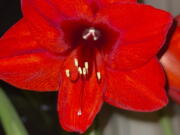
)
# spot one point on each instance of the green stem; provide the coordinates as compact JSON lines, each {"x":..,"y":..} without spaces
{"x":165,"y":122}
{"x":9,"y":118}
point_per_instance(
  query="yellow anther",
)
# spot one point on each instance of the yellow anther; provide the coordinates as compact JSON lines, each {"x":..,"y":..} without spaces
{"x":67,"y":71}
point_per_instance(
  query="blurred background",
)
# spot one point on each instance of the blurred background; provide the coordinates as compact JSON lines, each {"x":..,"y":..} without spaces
{"x":172,"y":6}
{"x":38,"y":110}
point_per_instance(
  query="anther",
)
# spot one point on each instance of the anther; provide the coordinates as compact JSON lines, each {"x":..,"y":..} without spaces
{"x":98,"y":75}
{"x":79,"y":113}
{"x":80,"y":70}
{"x":84,"y":71}
{"x":86,"y":65}
{"x":67,"y":72}
{"x":76,"y":62}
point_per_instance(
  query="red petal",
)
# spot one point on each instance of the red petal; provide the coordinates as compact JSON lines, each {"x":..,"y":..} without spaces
{"x":33,"y":71}
{"x":43,"y":20}
{"x":83,"y":96}
{"x":142,"y":31}
{"x":97,"y":4}
{"x":57,"y":9}
{"x":18,"y":40}
{"x":18,"y":49}
{"x":104,"y":2}
{"x":44,"y":8}
{"x":141,"y":89}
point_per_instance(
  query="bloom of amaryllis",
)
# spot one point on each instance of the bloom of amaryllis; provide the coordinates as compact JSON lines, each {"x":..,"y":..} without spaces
{"x":91,"y":51}
{"x":171,"y":63}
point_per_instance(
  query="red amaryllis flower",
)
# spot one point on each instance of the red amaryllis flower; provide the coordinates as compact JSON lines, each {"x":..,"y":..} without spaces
{"x":171,"y":62}
{"x":91,"y":51}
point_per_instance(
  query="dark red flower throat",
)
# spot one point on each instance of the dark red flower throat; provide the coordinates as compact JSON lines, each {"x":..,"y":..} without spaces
{"x":90,"y":41}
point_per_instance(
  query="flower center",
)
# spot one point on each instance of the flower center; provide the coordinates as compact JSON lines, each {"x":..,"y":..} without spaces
{"x":90,"y":41}
{"x":91,"y":34}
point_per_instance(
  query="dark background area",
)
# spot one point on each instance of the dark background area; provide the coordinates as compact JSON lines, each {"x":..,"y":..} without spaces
{"x":10,"y":13}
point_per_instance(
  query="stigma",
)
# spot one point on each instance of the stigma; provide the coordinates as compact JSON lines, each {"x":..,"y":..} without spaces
{"x":91,"y":33}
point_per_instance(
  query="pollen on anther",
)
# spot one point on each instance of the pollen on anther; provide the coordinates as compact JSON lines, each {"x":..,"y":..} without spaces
{"x":76,"y":62}
{"x":67,"y":72}
{"x":98,"y":75}
{"x":86,"y":65}
{"x":80,"y":70}
{"x":84,"y":71}
{"x":79,"y":113}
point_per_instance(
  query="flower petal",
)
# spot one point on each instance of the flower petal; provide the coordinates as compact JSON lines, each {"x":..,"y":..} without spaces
{"x":26,"y":64}
{"x":78,"y":102}
{"x":76,"y":8}
{"x":96,"y":5}
{"x":45,"y":27}
{"x":18,"y":40}
{"x":142,"y":31}
{"x":104,"y":2}
{"x":57,"y":9}
{"x":141,"y":89}
{"x":37,"y":71}
{"x":43,"y":8}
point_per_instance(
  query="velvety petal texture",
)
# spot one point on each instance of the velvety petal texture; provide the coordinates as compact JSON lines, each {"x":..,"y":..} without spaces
{"x":91,"y":51}
{"x":34,"y":71}
{"x":114,"y":1}
{"x":140,"y":89}
{"x":43,"y":21}
{"x":18,"y":40}
{"x":102,"y":3}
{"x":24,"y":63}
{"x":79,"y":103}
{"x":137,"y":42}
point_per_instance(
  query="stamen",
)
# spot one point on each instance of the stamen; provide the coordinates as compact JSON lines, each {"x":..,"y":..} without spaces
{"x":79,"y":113}
{"x":86,"y":65}
{"x":91,"y":31}
{"x":76,"y":62}
{"x":80,"y":70}
{"x":67,"y":73}
{"x":84,"y":71}
{"x":98,"y":75}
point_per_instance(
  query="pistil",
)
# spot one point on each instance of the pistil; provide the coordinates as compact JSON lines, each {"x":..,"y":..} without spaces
{"x":91,"y":32}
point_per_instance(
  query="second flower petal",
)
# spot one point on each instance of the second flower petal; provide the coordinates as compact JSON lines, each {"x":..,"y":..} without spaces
{"x":142,"y":32}
{"x":141,"y":89}
{"x":79,"y":102}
